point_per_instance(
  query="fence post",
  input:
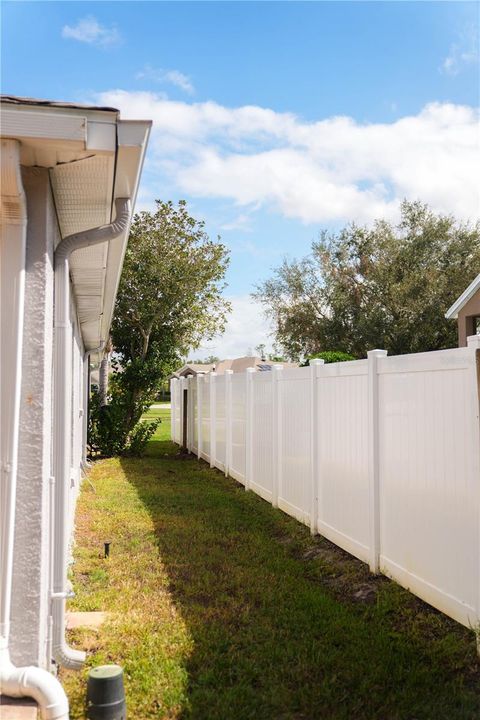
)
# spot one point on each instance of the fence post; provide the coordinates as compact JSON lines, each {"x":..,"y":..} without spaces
{"x":186,"y":406}
{"x":213,"y":420}
{"x":277,"y":434}
{"x":183,"y":416}
{"x":249,"y":427}
{"x":199,"y":415}
{"x":473,"y":341}
{"x":373,"y":457}
{"x":173,"y":408}
{"x":228,"y":420}
{"x":314,"y":463}
{"x":191,"y":414}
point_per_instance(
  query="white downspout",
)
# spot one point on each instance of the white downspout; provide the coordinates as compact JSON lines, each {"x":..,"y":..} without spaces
{"x":63,"y":654}
{"x":86,"y":400}
{"x":25,"y":681}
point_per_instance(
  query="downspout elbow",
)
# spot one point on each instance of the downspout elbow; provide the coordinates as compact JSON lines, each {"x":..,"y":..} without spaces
{"x":103,"y":233}
{"x":68,"y":657}
{"x":36,"y":683}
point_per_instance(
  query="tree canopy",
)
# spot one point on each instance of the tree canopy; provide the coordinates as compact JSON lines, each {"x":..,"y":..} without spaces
{"x":170,"y":294}
{"x":387,"y":286}
{"x":169,"y":300}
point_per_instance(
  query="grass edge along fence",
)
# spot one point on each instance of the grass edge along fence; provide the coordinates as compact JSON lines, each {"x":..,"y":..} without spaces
{"x":381,"y":456}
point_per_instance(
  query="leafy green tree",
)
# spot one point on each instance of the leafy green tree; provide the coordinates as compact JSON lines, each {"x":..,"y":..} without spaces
{"x":169,"y":300}
{"x":328,"y":356}
{"x":381,"y":287}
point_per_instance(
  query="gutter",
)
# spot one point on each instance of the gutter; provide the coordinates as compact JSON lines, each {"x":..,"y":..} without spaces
{"x":62,"y":653}
{"x":24,"y":681}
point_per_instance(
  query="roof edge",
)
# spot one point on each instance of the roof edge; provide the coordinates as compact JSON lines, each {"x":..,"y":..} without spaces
{"x":18,"y":100}
{"x":452,"y":312}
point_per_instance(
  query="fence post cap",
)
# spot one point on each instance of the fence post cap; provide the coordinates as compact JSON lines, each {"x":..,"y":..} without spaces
{"x":473,"y":341}
{"x":228,"y":372}
{"x":317,"y":361}
{"x":251,"y":370}
{"x":377,"y":353}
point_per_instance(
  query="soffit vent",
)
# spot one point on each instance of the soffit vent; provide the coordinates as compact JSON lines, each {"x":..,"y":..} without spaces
{"x":82,"y":192}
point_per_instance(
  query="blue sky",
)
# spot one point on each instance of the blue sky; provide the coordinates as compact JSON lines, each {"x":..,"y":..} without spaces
{"x":275,"y":119}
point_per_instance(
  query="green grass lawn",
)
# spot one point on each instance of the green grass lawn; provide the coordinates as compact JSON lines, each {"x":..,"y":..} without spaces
{"x":225,"y":608}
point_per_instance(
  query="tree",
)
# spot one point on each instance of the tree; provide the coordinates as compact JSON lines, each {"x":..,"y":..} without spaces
{"x":209,"y":360}
{"x":103,"y":372}
{"x":169,"y":300}
{"x":381,"y":287}
{"x":260,"y":350}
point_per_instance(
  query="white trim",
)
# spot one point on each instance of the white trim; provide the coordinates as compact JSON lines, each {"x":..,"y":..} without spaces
{"x":452,"y":313}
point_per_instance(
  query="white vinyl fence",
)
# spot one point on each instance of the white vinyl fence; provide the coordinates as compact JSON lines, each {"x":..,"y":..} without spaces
{"x":381,"y":456}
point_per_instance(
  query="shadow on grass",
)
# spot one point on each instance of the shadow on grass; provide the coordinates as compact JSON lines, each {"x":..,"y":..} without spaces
{"x":272,"y":636}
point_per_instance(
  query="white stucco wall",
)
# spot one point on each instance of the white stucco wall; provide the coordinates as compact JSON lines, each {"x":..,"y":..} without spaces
{"x":30,"y":606}
{"x":30,"y":578}
{"x":77,"y":414}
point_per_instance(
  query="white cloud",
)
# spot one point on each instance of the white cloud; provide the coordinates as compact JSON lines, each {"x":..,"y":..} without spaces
{"x":171,"y":77}
{"x":89,"y":30}
{"x":335,"y":169}
{"x":462,"y":53}
{"x":246,"y":328}
{"x":240,"y":222}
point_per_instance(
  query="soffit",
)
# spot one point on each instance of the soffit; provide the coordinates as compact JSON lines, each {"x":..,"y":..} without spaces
{"x":82,"y":192}
{"x":89,"y":167}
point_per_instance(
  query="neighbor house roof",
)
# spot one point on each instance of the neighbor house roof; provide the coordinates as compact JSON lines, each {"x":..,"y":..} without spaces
{"x":93,"y":158}
{"x":452,"y":313}
{"x":193,"y":369}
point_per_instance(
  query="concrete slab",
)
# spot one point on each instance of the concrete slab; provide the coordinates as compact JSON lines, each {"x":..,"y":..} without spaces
{"x":85,"y":619}
{"x":17,"y":708}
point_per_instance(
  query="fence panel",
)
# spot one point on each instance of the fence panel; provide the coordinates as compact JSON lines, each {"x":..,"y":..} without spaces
{"x":342,"y":437}
{"x":238,"y":459}
{"x":294,"y":466}
{"x":262,"y":435}
{"x":430,"y":478}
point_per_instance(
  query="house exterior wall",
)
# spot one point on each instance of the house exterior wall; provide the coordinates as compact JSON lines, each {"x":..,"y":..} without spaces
{"x":77,"y":400}
{"x":30,"y":606}
{"x":466,"y":319}
{"x":31,"y":549}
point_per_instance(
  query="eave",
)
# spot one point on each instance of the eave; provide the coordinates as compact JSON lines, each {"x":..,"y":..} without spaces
{"x":93,"y":158}
{"x":452,"y":313}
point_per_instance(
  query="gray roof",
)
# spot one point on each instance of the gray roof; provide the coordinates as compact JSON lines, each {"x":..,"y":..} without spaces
{"x":18,"y":100}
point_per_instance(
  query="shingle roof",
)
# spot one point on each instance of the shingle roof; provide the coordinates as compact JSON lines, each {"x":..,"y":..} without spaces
{"x":17,"y":100}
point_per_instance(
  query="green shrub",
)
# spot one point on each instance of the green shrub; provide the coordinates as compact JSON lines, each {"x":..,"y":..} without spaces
{"x":108,"y":433}
{"x":329,"y":356}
